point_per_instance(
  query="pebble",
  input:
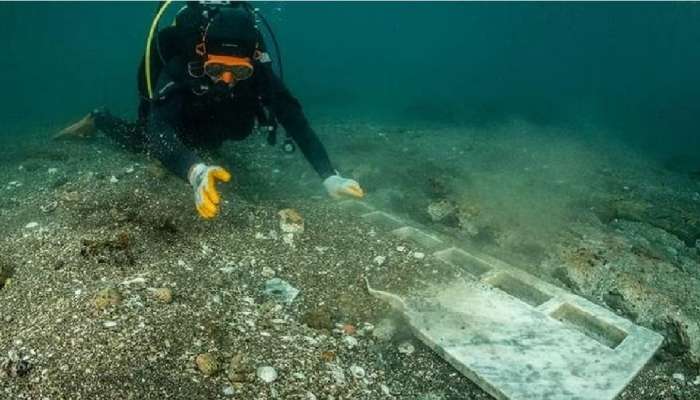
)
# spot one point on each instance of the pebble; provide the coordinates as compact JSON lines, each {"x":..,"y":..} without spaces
{"x":385,"y":389}
{"x":52,"y":171}
{"x":110,"y":324}
{"x":228,"y":391}
{"x":207,"y":364}
{"x":400,"y":249}
{"x":679,"y":377}
{"x":129,"y":170}
{"x":418,"y":255}
{"x":267,"y":374}
{"x":406,"y":348}
{"x":31,"y":225}
{"x":164,"y":295}
{"x":379,"y":260}
{"x":268,"y":272}
{"x":113,"y":179}
{"x":350,"y":341}
{"x":357,"y":371}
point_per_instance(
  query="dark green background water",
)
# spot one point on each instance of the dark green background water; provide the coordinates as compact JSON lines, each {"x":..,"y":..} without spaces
{"x":632,"y":68}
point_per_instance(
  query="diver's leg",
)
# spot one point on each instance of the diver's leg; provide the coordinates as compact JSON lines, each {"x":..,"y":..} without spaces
{"x":128,"y":135}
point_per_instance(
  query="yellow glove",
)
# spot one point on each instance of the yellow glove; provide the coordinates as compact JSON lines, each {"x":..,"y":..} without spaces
{"x":337,"y":186}
{"x":203,"y":180}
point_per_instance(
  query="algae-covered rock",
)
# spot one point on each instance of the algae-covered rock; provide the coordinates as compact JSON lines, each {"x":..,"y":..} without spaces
{"x":207,"y":364}
{"x":163,"y":295}
{"x":320,"y":318}
{"x":106,"y":298}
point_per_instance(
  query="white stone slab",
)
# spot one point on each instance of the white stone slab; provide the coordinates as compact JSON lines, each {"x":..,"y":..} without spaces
{"x":518,"y":340}
{"x":514,"y":335}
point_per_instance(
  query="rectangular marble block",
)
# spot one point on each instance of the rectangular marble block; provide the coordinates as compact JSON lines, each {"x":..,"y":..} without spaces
{"x":425,"y":240}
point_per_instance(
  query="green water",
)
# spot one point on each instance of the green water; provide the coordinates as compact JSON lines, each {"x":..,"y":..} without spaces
{"x":628,"y":67}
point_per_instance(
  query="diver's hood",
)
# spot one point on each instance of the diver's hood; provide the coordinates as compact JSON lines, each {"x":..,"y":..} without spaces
{"x":231,"y":32}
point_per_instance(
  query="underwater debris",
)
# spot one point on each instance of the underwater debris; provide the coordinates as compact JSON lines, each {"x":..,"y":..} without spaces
{"x":207,"y":364}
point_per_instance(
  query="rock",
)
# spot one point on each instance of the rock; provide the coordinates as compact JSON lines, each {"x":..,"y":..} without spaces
{"x":52,"y":171}
{"x":280,"y":290}
{"x":48,"y":207}
{"x":679,"y":377}
{"x":240,"y":370}
{"x":406,"y":348}
{"x":31,"y":225}
{"x":106,"y":298}
{"x":267,"y":374}
{"x":328,"y":356}
{"x":113,"y":179}
{"x":164,"y":295}
{"x":110,"y":324}
{"x":349,"y":329}
{"x":441,"y":210}
{"x":385,"y":390}
{"x":418,"y":255}
{"x":228,"y":391}
{"x":400,"y":249}
{"x":268,"y":272}
{"x":357,"y":372}
{"x":207,"y":364}
{"x":379,"y":260}
{"x":385,"y":330}
{"x":350,"y":341}
{"x":320,"y":318}
{"x":291,"y":221}
{"x":337,"y":374}
{"x":15,"y":365}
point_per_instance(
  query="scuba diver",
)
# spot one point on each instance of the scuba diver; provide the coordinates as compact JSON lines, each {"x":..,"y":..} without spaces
{"x":214,"y":81}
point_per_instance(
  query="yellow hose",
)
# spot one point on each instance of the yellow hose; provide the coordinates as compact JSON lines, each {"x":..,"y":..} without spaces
{"x":147,"y":56}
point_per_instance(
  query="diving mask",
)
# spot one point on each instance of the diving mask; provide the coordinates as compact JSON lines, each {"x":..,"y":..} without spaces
{"x":228,"y":69}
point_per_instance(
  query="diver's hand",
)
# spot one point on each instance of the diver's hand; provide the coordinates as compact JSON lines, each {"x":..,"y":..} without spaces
{"x":337,"y":187}
{"x":203,"y":179}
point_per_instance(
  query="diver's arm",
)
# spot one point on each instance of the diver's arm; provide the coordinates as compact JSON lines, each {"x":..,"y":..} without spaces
{"x":289,"y":113}
{"x":161,"y":135}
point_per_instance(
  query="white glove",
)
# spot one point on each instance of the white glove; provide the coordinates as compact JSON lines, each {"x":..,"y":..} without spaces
{"x":337,"y":187}
{"x":203,"y":180}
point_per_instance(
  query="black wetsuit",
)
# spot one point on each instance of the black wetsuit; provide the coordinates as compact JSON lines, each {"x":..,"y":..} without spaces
{"x":189,"y":112}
